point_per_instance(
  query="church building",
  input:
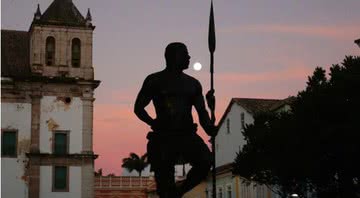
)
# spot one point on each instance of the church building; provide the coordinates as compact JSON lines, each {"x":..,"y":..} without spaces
{"x":47,"y":95}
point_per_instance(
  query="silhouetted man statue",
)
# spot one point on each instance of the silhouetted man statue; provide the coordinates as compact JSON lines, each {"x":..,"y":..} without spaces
{"x":174,"y":137}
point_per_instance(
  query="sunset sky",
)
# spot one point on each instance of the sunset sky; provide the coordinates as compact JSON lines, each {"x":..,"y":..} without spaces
{"x":265,"y":49}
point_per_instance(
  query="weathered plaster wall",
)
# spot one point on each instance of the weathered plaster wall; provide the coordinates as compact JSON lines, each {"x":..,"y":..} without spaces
{"x":56,"y":114}
{"x":12,"y":171}
{"x":46,"y":175}
{"x":16,"y":116}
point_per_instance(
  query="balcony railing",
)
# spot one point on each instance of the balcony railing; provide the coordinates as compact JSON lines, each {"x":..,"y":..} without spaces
{"x":124,"y":182}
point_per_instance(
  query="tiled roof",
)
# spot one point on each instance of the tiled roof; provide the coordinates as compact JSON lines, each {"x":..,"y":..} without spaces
{"x":256,"y":105}
{"x":281,"y":103}
{"x":15,"y":53}
{"x":224,"y":168}
{"x":62,"y":12}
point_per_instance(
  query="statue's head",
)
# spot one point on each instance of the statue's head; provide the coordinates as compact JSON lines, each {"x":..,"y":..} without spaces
{"x":177,"y":56}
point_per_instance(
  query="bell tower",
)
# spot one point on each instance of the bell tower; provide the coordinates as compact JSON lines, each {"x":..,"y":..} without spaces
{"x":61,"y":42}
{"x":63,"y":84}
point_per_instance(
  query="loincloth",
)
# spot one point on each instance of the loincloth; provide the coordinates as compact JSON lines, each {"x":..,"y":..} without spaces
{"x":168,"y":150}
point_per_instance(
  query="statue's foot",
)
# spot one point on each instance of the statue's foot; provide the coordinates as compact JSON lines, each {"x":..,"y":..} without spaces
{"x":179,"y":189}
{"x":178,"y":195}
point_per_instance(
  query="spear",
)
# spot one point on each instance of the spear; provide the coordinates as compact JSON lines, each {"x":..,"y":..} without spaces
{"x":212,"y":45}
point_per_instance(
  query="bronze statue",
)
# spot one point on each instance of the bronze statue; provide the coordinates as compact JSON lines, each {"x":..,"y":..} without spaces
{"x":173,"y":94}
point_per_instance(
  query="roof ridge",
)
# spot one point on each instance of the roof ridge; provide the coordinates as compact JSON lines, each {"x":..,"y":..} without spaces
{"x":63,"y":13}
{"x":256,"y":99}
{"x":7,"y":30}
{"x":250,"y":105}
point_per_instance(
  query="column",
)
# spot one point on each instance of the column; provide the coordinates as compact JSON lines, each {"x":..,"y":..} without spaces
{"x":87,"y":133}
{"x":34,"y":169}
{"x":87,"y":180}
{"x":35,"y":122}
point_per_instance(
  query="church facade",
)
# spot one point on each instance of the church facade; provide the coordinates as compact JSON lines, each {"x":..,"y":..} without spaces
{"x":47,"y":95}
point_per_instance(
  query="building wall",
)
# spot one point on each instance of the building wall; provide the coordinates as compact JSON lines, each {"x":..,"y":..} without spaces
{"x":198,"y":192}
{"x":239,"y":189}
{"x":228,"y":144}
{"x":16,"y":116}
{"x":223,"y":181}
{"x":247,"y":191}
{"x":46,"y":174}
{"x":63,"y":38}
{"x":57,"y":115}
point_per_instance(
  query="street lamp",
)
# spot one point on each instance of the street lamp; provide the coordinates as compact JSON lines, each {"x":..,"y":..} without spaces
{"x":357,"y":42}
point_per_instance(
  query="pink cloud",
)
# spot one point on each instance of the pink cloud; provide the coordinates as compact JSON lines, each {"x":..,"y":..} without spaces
{"x":126,"y":96}
{"x":290,"y":73}
{"x":117,"y":132}
{"x":330,"y":31}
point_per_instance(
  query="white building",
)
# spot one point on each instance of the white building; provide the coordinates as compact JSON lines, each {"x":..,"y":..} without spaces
{"x":47,"y":94}
{"x":230,"y":141}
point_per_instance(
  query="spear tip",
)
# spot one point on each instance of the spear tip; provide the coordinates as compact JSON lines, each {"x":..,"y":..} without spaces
{"x":212,"y":40}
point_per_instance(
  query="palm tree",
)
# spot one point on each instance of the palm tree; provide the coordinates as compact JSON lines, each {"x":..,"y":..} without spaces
{"x":134,"y":162}
{"x":99,"y":172}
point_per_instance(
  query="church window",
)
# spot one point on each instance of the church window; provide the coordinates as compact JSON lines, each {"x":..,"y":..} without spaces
{"x":75,"y":52}
{"x":9,"y":143}
{"x":228,"y":126}
{"x":61,"y":142}
{"x":242,"y":120}
{"x":60,"y":179}
{"x":50,"y":51}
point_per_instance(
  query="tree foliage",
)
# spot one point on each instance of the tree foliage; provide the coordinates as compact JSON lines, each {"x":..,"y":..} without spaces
{"x":99,"y":172}
{"x":135,"y":162}
{"x":316,"y":146}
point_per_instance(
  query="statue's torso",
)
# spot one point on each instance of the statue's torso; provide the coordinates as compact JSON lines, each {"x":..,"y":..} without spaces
{"x":173,"y":97}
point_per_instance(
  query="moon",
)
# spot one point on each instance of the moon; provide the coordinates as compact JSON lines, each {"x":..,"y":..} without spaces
{"x":197,"y":66}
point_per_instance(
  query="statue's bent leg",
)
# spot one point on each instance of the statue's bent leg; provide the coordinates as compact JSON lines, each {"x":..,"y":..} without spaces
{"x":165,"y":182}
{"x":161,"y":158}
{"x":199,"y":157}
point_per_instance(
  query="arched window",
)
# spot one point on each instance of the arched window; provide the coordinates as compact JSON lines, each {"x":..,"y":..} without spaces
{"x":75,"y":52}
{"x":50,"y":50}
